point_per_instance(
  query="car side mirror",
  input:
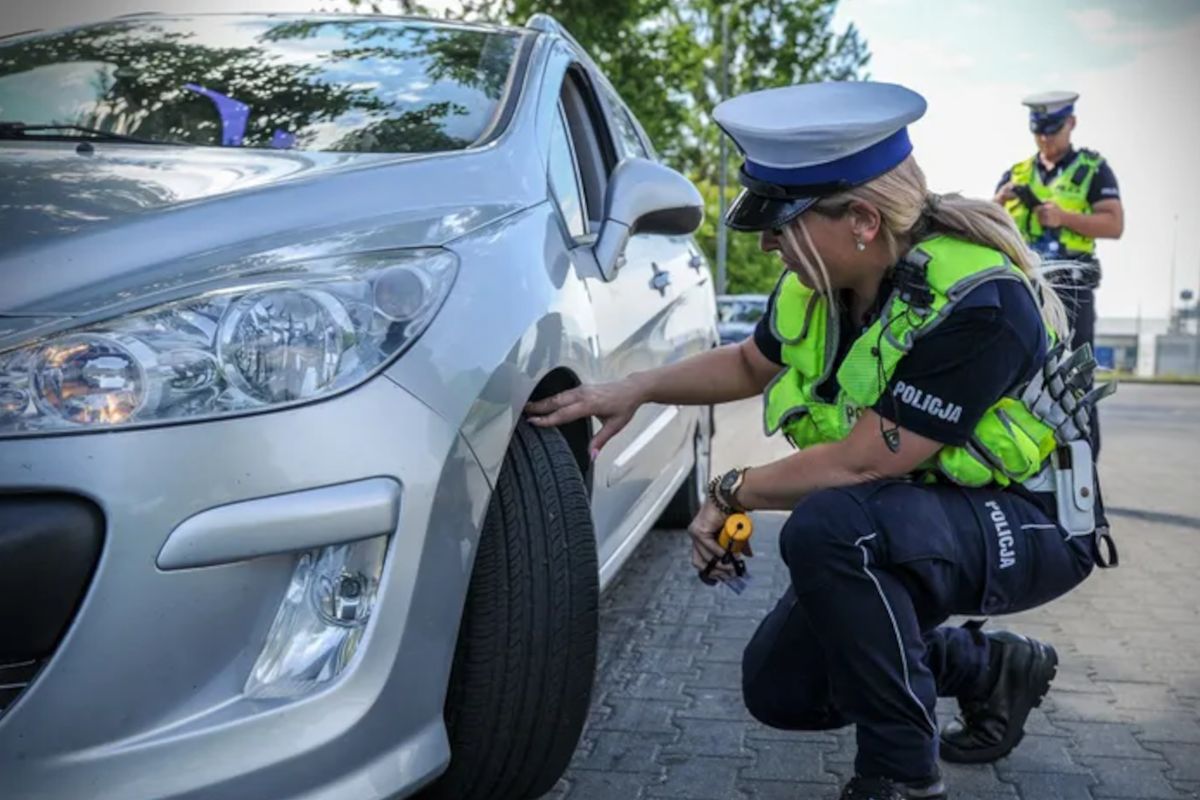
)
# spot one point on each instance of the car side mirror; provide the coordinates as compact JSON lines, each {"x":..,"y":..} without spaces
{"x":645,"y":197}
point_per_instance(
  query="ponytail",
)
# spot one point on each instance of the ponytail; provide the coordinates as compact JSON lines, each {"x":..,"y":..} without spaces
{"x":910,"y":213}
{"x":983,"y":222}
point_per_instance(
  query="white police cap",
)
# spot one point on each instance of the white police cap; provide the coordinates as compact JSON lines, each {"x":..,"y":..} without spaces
{"x":805,"y":142}
{"x":1049,"y":111}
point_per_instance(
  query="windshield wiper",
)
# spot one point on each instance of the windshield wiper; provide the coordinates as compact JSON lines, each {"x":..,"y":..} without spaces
{"x":18,"y":130}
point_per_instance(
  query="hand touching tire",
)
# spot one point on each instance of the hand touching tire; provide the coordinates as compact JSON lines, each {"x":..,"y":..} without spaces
{"x":614,"y":404}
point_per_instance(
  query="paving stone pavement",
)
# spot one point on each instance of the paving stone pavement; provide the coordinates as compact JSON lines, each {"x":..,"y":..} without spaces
{"x":1122,"y":720}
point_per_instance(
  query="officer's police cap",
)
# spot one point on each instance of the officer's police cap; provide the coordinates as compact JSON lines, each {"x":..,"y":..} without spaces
{"x":803,"y":143}
{"x":1049,"y":111}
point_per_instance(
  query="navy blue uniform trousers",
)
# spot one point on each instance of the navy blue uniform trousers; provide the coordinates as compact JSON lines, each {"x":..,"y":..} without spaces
{"x":875,"y":570}
{"x":1080,"y":304}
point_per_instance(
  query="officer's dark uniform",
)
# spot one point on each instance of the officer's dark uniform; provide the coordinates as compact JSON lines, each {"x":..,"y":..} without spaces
{"x":877,"y":568}
{"x":1078,"y":291}
{"x":1076,"y":182}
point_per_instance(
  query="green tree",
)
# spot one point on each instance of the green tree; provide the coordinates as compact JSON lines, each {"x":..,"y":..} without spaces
{"x":771,"y":43}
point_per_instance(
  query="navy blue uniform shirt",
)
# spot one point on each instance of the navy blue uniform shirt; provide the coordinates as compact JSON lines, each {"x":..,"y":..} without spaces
{"x":1104,"y":182}
{"x":991,"y":344}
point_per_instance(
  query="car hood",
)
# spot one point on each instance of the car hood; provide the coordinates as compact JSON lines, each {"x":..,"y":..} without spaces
{"x":126,"y":216}
{"x":53,"y":191}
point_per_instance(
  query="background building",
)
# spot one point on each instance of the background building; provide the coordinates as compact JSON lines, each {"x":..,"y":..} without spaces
{"x":1153,"y":346}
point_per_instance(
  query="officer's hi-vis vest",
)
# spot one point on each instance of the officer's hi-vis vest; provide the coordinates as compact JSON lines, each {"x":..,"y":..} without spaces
{"x":1069,"y":191}
{"x":1009,"y":444}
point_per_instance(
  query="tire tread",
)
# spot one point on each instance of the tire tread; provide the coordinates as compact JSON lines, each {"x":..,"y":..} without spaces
{"x":523,"y":670}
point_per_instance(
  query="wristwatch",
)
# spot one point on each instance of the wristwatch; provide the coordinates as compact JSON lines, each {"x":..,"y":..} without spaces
{"x":723,"y":489}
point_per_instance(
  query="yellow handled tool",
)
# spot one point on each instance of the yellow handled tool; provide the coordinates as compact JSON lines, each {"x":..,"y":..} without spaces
{"x":733,"y":538}
{"x":736,"y":533}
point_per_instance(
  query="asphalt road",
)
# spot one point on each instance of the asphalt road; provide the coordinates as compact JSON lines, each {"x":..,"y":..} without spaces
{"x":1123,"y":718}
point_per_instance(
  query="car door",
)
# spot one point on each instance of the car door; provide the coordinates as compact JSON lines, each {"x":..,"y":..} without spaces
{"x":642,"y":320}
{"x":693,"y":324}
{"x":690,"y":315}
{"x":580,"y":159}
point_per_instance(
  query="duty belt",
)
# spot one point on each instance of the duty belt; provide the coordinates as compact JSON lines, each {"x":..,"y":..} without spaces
{"x":1059,"y":397}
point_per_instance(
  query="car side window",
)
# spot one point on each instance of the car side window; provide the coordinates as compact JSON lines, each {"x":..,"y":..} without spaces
{"x":595,"y":154}
{"x":564,"y":178}
{"x":628,"y":139}
{"x":629,"y":143}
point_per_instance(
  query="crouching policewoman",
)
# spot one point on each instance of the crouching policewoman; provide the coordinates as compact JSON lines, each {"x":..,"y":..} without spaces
{"x":912,"y":356}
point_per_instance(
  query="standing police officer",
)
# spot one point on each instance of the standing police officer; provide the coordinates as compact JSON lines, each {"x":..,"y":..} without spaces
{"x":910,"y":357}
{"x":1063,"y":200}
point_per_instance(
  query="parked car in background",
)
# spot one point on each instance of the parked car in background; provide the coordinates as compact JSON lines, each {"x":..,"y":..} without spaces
{"x":738,"y":314}
{"x":276,"y":290}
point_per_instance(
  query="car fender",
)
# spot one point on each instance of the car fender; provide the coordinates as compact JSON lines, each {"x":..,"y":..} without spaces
{"x":519,"y":309}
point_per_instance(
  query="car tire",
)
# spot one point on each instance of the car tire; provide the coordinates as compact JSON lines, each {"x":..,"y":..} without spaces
{"x":521,"y":682}
{"x":692,"y":493}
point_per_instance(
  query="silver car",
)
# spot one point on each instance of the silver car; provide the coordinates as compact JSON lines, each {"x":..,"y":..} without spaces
{"x":274,"y":291}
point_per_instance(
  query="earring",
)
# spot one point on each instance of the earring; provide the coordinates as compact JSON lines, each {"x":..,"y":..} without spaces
{"x":859,"y":245}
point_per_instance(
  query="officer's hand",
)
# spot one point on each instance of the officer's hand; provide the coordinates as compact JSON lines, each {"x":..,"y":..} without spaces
{"x":704,"y":531}
{"x":1006,"y":193}
{"x":613,"y":403}
{"x":1050,"y":215}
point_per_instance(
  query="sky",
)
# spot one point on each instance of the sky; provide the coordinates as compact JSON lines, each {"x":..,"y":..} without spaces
{"x":1136,"y":64}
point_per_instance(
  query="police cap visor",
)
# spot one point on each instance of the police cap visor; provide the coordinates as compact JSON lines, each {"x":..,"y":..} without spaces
{"x":752,"y":212}
{"x":1047,"y":126}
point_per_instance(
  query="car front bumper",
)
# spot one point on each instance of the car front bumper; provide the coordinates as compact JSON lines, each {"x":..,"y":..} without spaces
{"x":143,"y":697}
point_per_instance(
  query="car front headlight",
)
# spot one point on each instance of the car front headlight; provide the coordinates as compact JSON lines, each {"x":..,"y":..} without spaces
{"x":301,"y":334}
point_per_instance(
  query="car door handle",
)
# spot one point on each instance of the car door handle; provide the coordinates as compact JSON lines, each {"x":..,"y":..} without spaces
{"x":661,"y":279}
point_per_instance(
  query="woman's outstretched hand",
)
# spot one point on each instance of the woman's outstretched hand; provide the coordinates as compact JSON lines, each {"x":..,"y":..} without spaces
{"x":614,"y":404}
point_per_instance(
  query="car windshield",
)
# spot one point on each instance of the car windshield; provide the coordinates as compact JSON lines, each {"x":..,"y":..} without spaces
{"x":741,"y":310}
{"x":305,"y":83}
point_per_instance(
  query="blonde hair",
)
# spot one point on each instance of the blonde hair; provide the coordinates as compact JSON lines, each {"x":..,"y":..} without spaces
{"x":910,"y":213}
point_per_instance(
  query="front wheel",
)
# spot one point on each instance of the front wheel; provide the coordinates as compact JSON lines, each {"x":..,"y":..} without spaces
{"x":522,"y":677}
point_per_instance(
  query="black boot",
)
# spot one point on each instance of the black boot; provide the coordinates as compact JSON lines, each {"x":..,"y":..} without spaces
{"x":884,"y":789}
{"x":992,"y":725}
